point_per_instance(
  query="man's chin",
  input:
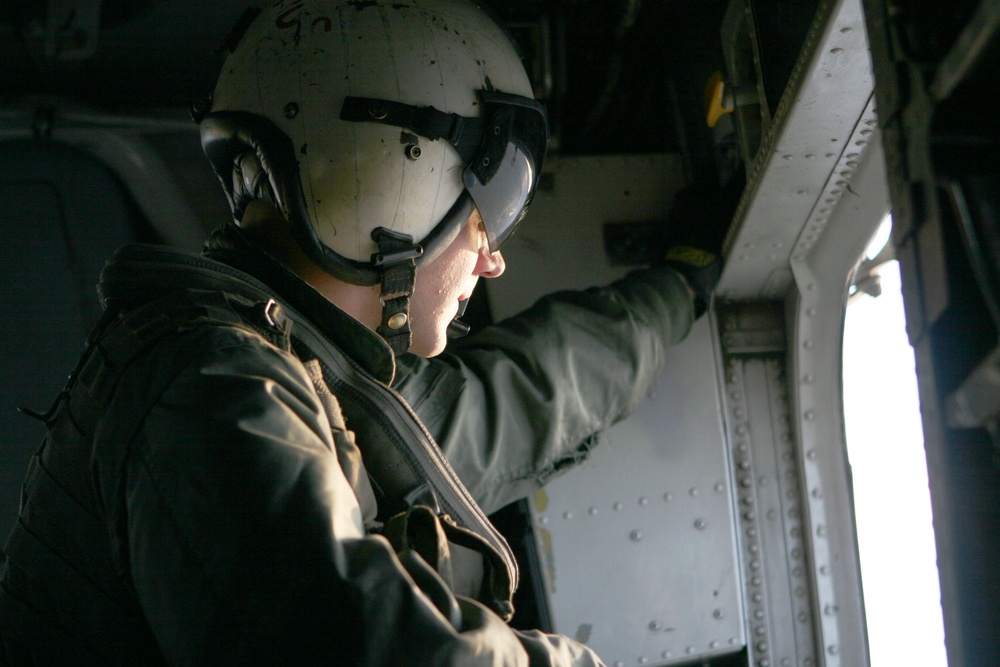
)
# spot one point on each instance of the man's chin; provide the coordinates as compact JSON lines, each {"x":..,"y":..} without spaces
{"x":428,"y":346}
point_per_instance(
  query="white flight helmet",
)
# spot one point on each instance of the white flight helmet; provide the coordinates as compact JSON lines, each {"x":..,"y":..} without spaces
{"x":375,"y":126}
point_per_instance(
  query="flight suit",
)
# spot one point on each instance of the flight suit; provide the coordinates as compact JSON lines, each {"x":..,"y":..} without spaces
{"x":240,"y":472}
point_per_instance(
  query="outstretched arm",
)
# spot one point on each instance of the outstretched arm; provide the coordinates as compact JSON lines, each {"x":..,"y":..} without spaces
{"x":519,"y":401}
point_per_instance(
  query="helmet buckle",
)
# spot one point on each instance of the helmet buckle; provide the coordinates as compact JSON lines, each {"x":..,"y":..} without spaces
{"x":396,"y":261}
{"x":394,"y":248}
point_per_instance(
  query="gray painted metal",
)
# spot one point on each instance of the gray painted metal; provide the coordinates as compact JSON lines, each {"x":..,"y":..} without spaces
{"x":816,"y":310}
{"x":774,"y":557}
{"x":638,"y":544}
{"x":793,"y":177}
{"x":816,"y":193}
{"x":785,"y":434}
{"x":560,"y":244}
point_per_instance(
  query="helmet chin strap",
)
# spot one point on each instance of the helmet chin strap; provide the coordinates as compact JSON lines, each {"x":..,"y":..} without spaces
{"x":457,"y":328}
{"x":396,"y":260}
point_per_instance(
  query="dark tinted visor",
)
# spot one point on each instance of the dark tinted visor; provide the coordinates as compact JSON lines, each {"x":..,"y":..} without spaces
{"x":502,"y":177}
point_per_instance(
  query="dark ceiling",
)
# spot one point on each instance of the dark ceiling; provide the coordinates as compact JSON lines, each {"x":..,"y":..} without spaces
{"x":626,"y":75}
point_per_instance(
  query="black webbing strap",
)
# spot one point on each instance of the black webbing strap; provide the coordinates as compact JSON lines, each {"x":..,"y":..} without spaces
{"x":402,"y":456}
{"x":497,"y":584}
{"x":396,"y":259}
{"x":463,"y":132}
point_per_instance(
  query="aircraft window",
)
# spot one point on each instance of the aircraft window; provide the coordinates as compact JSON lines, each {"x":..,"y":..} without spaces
{"x":885,"y":447}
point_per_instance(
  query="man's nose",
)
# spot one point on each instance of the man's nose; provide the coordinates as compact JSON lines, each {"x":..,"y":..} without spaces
{"x":490,"y":265}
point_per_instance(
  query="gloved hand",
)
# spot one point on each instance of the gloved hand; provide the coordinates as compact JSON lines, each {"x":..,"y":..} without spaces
{"x":700,"y":268}
{"x":696,"y":229}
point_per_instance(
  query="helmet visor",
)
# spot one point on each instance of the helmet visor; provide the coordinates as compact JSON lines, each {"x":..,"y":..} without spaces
{"x":502,"y":151}
{"x":502,"y":177}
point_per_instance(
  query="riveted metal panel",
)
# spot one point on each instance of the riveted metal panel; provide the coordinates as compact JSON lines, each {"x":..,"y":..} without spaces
{"x":778,"y":610}
{"x":814,"y":197}
{"x":816,"y":312}
{"x":795,"y":178}
{"x":785,"y":433}
{"x":638,"y":544}
{"x":764,"y":459}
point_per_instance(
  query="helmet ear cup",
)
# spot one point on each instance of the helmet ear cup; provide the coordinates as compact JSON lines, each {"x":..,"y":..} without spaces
{"x":254,"y":160}
{"x":241,"y":161}
{"x":250,"y":182}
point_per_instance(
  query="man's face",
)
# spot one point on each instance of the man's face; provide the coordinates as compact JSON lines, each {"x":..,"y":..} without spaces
{"x":448,"y":279}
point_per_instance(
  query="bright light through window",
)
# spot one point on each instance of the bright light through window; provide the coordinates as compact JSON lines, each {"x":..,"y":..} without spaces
{"x":892,"y":500}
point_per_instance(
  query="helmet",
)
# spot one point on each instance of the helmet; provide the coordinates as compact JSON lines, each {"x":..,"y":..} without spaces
{"x":375,"y":126}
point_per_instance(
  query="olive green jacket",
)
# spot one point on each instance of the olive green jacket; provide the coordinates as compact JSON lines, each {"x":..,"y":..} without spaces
{"x":206,"y":493}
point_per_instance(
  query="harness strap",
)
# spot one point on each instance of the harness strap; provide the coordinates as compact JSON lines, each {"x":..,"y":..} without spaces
{"x":412,"y":460}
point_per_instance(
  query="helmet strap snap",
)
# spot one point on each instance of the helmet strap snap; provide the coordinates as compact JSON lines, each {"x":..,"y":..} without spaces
{"x":396,"y":261}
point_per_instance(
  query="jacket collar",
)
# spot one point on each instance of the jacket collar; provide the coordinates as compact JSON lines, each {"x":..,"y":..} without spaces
{"x":228,"y":245}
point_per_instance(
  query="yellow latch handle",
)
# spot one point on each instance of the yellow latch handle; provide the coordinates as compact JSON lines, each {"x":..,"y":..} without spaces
{"x":717,"y":102}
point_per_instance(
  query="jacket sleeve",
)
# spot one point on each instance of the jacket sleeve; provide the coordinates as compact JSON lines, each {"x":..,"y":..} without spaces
{"x":243,"y":537}
{"x":522,"y":400}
